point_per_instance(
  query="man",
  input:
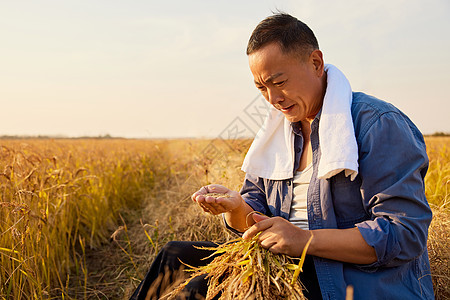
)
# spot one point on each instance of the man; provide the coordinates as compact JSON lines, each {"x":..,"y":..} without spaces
{"x":369,"y":218}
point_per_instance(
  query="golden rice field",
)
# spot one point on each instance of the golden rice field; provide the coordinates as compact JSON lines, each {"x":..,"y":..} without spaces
{"x":83,"y":219}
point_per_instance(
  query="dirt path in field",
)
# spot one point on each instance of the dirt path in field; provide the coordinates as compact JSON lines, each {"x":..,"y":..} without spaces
{"x":113,"y":269}
{"x":117,"y":266}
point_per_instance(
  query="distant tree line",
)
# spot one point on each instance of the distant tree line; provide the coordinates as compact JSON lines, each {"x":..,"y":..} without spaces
{"x":439,"y":133}
{"x":108,"y":136}
{"x":19,"y":137}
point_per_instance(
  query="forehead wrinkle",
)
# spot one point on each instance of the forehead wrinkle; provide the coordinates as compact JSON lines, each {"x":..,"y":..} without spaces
{"x":271,"y":78}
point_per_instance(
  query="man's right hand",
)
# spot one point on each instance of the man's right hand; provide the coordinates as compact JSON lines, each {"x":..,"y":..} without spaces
{"x":218,"y":205}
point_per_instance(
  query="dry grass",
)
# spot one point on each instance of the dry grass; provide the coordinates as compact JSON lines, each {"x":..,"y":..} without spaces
{"x":439,"y":252}
{"x":437,"y":190}
{"x":242,"y":269}
{"x":62,"y":201}
{"x":437,"y":180}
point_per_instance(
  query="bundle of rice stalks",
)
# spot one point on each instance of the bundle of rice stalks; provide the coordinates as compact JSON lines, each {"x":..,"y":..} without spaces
{"x":242,"y":269}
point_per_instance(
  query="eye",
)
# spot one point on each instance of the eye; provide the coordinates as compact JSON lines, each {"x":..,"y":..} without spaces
{"x":280,"y":83}
{"x":261,"y":88}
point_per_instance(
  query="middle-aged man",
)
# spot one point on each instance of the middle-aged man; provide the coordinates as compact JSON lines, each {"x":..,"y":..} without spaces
{"x":341,"y":166}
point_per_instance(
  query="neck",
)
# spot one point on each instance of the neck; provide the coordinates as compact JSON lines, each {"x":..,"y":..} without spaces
{"x":306,"y":128}
{"x":324,"y":84}
{"x":320,"y":97}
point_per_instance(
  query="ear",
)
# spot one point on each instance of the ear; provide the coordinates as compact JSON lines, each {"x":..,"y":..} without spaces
{"x":316,"y":58}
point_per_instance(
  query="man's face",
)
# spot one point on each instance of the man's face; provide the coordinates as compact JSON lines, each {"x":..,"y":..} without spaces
{"x":292,"y":85}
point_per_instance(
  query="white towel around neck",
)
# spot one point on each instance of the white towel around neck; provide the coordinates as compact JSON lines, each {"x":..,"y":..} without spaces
{"x":272,"y":155}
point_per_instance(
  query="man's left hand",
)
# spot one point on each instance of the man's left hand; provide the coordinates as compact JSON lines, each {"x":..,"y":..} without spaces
{"x":278,"y":235}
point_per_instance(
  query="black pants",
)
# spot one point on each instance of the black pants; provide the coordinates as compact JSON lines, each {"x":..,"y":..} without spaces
{"x":167,"y":264}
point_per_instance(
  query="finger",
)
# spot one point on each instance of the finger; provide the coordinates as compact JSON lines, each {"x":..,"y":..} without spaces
{"x":210,"y":199}
{"x":219,"y":208}
{"x":257,"y":217}
{"x":213,"y":210}
{"x":212,"y":188}
{"x":227,"y":204}
{"x":274,"y":249}
{"x":218,"y":200}
{"x":193,"y":196}
{"x":202,"y":191}
{"x":217,"y":188}
{"x":196,"y":195}
{"x":204,"y":208}
{"x":203,"y":198}
{"x":198,"y":198}
{"x":260,"y":226}
{"x":210,"y":208}
{"x":269,"y":244}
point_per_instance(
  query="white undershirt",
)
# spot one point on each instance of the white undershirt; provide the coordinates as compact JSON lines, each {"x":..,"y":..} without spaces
{"x":299,"y":210}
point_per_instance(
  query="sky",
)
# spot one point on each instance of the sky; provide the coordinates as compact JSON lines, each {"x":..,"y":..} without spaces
{"x":152,"y":69}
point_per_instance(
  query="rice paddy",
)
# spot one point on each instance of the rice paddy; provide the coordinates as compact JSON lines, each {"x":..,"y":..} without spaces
{"x":83,"y":219}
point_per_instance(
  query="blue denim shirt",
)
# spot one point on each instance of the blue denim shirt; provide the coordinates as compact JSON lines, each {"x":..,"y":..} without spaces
{"x":386,"y":202}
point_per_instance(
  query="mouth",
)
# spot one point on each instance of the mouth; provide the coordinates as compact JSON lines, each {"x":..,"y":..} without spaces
{"x":286,"y":109}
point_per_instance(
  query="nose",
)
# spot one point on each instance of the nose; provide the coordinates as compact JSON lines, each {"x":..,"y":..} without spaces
{"x":274,"y":96}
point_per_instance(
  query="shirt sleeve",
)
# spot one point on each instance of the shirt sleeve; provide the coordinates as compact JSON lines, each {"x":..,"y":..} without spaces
{"x":393,"y":163}
{"x":253,"y":193}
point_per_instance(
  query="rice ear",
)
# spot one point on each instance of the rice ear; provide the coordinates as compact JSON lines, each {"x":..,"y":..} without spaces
{"x":302,"y":260}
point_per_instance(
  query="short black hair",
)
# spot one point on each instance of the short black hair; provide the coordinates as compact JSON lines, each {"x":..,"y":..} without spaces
{"x":292,"y":35}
